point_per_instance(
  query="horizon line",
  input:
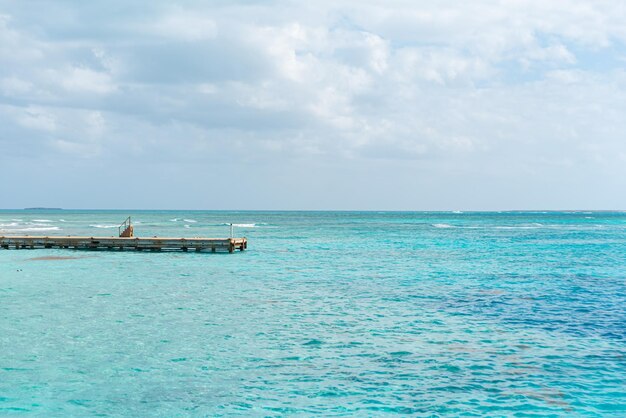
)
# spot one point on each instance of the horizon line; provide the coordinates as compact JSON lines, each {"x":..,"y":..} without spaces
{"x":316,"y":210}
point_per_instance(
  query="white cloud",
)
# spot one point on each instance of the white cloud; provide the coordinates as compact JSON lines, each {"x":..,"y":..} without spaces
{"x":442,"y":83}
{"x":84,"y":80}
{"x":15,"y":46}
{"x":96,"y":123}
{"x":76,"y":149}
{"x":11,"y":86}
{"x":35,"y":117}
{"x":187,"y":26}
{"x":207,"y":88}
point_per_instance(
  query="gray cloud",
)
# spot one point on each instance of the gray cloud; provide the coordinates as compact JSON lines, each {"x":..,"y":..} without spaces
{"x":368,"y":104}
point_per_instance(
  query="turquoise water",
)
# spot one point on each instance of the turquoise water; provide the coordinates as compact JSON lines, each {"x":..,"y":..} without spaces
{"x":335,"y":313}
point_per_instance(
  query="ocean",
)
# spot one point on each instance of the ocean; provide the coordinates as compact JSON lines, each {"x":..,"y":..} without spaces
{"x":329,"y":313}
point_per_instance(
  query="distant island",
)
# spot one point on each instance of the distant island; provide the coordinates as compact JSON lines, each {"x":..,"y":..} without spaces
{"x":43,"y":209}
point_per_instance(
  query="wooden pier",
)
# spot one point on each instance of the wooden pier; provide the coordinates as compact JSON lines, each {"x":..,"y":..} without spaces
{"x":125,"y":243}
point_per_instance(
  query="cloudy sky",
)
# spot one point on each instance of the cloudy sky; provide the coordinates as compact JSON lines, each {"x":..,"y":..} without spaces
{"x":396,"y":104}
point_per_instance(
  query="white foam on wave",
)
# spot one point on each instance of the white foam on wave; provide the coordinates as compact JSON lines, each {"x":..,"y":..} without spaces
{"x":517,"y":227}
{"x":174,"y":220}
{"x":456,"y":211}
{"x":187,"y":226}
{"x":443,"y":226}
{"x":11,"y":224}
{"x":33,"y":229}
{"x":42,"y":220}
{"x":103,"y":226}
{"x":247,"y":225}
{"x":190,"y":221}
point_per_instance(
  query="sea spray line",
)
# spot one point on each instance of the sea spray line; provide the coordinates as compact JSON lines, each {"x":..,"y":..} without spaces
{"x":444,"y":226}
{"x":33,"y":229}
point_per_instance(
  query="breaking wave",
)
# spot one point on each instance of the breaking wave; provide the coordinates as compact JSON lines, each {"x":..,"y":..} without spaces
{"x":11,"y":224}
{"x":248,"y":225}
{"x":33,"y":229}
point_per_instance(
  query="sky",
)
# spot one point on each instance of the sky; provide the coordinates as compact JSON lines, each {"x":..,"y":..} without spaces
{"x":345,"y":105}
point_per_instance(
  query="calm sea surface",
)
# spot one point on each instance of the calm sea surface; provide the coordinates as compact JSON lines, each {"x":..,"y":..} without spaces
{"x":335,"y":313}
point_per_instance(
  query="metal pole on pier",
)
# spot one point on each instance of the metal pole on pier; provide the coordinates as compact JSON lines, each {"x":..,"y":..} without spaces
{"x":231,"y":230}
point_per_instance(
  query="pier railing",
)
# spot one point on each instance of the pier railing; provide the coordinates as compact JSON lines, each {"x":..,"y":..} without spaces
{"x":124,"y":227}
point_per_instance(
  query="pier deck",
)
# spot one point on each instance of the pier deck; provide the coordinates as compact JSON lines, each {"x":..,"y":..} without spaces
{"x":125,"y":243}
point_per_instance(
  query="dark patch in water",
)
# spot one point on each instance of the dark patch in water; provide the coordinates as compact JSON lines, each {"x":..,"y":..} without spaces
{"x":54,"y":257}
